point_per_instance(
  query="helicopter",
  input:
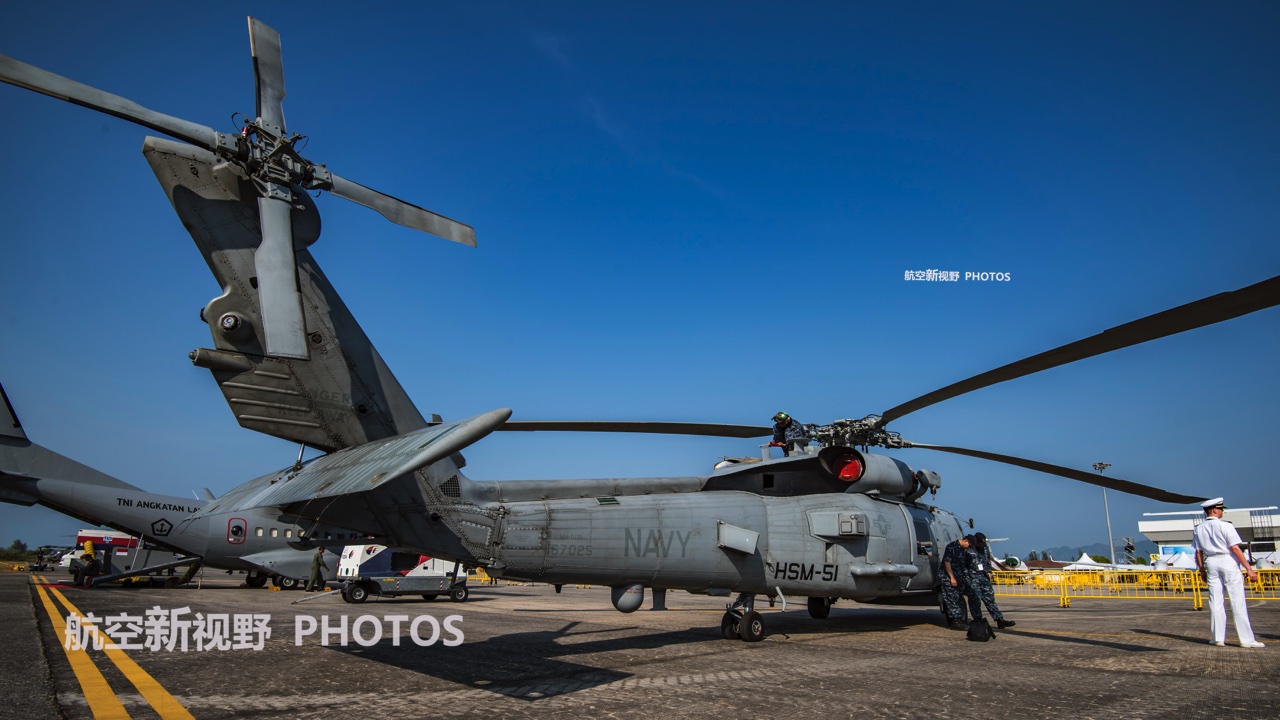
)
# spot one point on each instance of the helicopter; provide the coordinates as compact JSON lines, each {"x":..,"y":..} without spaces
{"x":834,"y":521}
{"x":254,"y":542}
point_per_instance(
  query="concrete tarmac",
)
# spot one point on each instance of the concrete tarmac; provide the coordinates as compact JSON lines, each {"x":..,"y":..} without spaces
{"x":526,"y":651}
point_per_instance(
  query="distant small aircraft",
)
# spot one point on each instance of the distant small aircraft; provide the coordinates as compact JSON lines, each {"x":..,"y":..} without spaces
{"x":253,"y":541}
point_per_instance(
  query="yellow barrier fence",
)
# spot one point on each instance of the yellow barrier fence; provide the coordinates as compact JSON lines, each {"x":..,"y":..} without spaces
{"x":1121,"y":584}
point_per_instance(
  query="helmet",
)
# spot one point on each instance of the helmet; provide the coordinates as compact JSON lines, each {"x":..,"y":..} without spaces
{"x":780,"y":417}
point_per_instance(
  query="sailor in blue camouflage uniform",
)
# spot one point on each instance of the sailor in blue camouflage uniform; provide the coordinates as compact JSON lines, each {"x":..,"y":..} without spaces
{"x":786,"y":430}
{"x":955,"y":560}
{"x":979,"y":591}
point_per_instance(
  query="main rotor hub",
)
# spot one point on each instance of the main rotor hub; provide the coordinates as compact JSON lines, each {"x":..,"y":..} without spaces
{"x":866,"y":432}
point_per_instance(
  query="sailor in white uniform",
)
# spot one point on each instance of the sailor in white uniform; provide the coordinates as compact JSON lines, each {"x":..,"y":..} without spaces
{"x":1218,"y":555}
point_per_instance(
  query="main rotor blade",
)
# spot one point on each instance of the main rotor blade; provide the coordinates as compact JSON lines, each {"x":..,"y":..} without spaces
{"x":47,"y":83}
{"x":277,"y":269}
{"x":1210,"y":310}
{"x":268,"y":72}
{"x":1100,"y":480}
{"x":660,"y":428}
{"x":403,"y":213}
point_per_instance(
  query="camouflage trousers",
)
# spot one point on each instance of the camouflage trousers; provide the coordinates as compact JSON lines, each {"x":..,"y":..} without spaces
{"x":953,"y":600}
{"x":979,"y":592}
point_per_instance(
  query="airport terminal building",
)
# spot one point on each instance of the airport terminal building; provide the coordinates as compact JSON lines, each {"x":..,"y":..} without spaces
{"x":1257,"y":527}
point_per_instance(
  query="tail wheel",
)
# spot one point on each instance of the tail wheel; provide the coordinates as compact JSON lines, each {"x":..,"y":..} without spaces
{"x":751,"y":628}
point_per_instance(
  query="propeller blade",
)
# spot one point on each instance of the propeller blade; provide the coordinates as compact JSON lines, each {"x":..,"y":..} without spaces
{"x":268,"y":72}
{"x":1111,"y":483}
{"x":1210,"y":310}
{"x":277,"y":269}
{"x":403,"y":213}
{"x":660,"y":428}
{"x":47,"y":83}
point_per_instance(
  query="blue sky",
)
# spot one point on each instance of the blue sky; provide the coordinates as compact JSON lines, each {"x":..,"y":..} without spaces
{"x":686,"y":212}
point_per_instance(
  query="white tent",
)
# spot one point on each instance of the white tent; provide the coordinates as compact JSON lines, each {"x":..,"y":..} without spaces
{"x":1085,"y":563}
{"x":1174,"y":561}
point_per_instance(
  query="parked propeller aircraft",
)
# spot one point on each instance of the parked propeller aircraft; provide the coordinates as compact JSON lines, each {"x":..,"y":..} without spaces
{"x":255,"y":542}
{"x":833,"y":521}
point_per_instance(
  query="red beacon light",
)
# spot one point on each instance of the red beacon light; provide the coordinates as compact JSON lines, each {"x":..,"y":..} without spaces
{"x":848,"y":468}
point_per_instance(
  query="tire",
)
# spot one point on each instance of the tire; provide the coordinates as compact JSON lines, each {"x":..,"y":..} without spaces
{"x":430,"y":596}
{"x":819,"y":608}
{"x":729,"y":626}
{"x":751,"y":628}
{"x":256,"y":581}
{"x":358,"y":593}
{"x":346,"y":593}
{"x":288,"y":583}
{"x":459,"y":593}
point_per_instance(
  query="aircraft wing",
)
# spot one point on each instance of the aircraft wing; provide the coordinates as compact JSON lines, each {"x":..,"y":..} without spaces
{"x":361,"y":468}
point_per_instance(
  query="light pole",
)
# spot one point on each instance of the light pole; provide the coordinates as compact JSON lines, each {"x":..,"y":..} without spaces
{"x":1111,"y":545}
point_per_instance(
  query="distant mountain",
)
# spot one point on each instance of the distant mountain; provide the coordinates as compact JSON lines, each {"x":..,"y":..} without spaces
{"x":1068,"y":553}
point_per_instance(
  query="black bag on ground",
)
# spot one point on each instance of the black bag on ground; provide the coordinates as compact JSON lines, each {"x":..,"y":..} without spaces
{"x":980,"y":630}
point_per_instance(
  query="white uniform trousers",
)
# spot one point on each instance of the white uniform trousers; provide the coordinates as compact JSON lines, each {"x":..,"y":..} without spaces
{"x":1223,"y":570}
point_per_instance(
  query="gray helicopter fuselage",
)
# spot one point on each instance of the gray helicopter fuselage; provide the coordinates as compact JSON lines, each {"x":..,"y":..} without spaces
{"x":832,"y":545}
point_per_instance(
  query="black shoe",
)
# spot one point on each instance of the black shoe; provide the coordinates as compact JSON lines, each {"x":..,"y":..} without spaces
{"x":958,"y":625}
{"x":1002,"y":624}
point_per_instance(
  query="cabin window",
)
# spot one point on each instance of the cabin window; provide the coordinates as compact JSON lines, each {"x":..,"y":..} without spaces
{"x":275,"y":532}
{"x":257,"y":531}
{"x":924,"y":542}
{"x":288,"y":533}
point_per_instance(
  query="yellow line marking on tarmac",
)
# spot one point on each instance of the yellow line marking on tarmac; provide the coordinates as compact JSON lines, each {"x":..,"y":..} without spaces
{"x":165,"y":704}
{"x":103,"y":702}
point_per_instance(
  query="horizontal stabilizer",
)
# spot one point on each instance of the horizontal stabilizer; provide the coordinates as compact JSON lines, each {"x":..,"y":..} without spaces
{"x":21,"y":458}
{"x":361,"y":468}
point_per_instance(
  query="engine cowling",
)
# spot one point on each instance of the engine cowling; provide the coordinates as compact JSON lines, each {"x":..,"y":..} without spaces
{"x":867,"y":473}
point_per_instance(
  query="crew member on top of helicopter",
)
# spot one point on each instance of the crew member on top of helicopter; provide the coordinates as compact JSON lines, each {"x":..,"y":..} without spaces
{"x":786,"y":430}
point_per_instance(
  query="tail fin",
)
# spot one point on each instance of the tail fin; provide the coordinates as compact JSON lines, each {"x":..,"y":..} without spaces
{"x":344,"y":395}
{"x":22,"y":460}
{"x":9,"y":425}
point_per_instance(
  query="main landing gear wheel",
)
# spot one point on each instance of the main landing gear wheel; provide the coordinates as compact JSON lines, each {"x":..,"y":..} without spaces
{"x":256,"y":581}
{"x":729,"y":626}
{"x":751,"y":628}
{"x":819,"y":607}
{"x":288,"y":583}
{"x":459,"y":593}
{"x":741,"y":621}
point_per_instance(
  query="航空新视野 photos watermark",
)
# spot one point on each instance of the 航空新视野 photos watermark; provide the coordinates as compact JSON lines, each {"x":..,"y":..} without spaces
{"x":180,"y":630}
{"x":955,"y":276}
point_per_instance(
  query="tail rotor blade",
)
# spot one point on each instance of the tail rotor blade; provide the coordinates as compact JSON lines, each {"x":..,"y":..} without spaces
{"x":280,"y":303}
{"x":403,"y":213}
{"x":268,"y":71}
{"x":47,"y":83}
